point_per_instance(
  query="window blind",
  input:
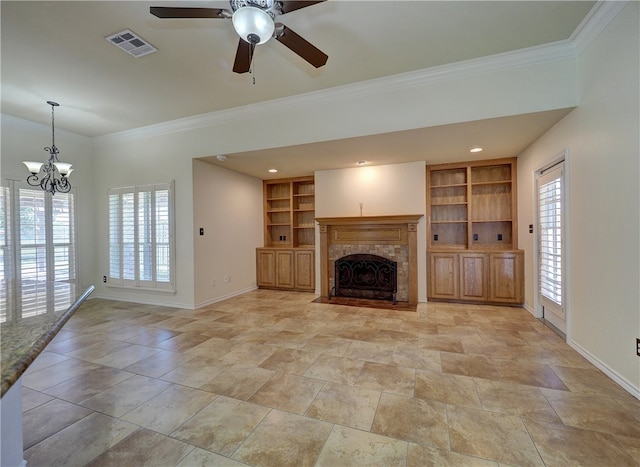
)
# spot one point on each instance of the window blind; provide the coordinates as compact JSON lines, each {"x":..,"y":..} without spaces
{"x":141,"y":236}
{"x":37,"y":249}
{"x":550,"y":241}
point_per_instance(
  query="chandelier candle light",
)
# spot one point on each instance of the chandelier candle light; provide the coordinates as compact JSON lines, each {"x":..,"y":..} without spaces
{"x":56,"y":173}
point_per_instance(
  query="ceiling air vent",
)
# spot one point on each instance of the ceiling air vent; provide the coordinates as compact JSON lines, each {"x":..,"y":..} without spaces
{"x":131,"y":43}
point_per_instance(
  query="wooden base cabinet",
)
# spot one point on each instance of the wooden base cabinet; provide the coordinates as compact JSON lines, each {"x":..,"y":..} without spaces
{"x":444,"y":276}
{"x":476,"y":276}
{"x":506,"y":277}
{"x":286,"y":269}
{"x":473,"y":276}
{"x":304,"y":277}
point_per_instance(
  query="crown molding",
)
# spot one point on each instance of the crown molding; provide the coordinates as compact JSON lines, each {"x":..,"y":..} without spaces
{"x":595,"y":21}
{"x":591,"y":26}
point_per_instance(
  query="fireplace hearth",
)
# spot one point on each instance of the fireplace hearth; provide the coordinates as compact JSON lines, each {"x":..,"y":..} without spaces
{"x":365,"y":276}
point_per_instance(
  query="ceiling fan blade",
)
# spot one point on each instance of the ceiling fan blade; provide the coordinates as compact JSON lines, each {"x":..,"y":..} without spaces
{"x":288,"y":6}
{"x":300,"y":46}
{"x":179,"y":12}
{"x":244,"y":54}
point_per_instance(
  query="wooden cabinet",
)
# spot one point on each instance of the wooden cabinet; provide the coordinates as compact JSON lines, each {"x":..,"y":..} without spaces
{"x":444,"y":277}
{"x":304,"y":270}
{"x":472,"y":232}
{"x":289,"y":269}
{"x":483,"y":277}
{"x":284,"y":268}
{"x":266,"y":267}
{"x":473,"y":276}
{"x":506,"y":277}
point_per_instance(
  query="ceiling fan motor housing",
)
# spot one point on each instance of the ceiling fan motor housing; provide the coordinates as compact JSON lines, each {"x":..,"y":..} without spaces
{"x":268,"y":6}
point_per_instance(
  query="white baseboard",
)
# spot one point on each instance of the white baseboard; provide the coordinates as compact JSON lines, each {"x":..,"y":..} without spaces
{"x":528,"y":307}
{"x":226,"y":297}
{"x":626,"y":385}
{"x":184,"y":306}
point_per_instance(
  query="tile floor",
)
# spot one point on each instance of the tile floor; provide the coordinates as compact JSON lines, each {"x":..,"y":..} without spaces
{"x":271,"y":379}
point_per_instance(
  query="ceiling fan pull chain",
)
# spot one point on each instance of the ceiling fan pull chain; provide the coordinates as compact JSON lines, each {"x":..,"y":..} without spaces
{"x":253,"y":71}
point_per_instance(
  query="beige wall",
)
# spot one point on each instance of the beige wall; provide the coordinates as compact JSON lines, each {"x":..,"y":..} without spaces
{"x":603,"y":202}
{"x":228,"y":206}
{"x":140,"y":162}
{"x":382,"y":190}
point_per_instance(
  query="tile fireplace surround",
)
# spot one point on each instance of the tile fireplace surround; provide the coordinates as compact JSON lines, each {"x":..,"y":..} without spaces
{"x":393,"y":237}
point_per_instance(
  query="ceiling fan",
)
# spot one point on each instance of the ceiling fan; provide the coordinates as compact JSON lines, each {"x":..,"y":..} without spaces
{"x":254,"y":21}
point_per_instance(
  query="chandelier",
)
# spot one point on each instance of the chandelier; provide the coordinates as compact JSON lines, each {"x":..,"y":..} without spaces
{"x":55,"y":176}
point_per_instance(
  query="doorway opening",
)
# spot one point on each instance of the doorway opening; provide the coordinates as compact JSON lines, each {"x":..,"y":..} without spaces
{"x":551,"y":273}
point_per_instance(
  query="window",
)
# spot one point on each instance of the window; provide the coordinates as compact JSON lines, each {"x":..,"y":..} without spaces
{"x":141,"y":240}
{"x":40,"y":264}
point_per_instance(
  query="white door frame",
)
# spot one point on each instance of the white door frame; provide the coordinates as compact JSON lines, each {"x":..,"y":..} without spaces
{"x":560,"y":157}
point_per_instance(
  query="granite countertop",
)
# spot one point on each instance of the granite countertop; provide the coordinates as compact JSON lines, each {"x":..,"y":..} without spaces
{"x":29,"y":323}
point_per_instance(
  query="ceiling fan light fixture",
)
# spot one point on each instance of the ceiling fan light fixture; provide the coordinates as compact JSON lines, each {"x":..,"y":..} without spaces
{"x":253,"y":25}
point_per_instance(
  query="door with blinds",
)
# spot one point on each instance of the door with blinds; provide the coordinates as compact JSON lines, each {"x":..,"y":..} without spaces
{"x":551,"y":271}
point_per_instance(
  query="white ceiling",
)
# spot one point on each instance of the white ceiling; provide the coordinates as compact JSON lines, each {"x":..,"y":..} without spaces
{"x":56,"y":51}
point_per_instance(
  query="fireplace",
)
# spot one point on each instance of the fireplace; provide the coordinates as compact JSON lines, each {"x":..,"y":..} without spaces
{"x":393,"y":238}
{"x":366,"y":276}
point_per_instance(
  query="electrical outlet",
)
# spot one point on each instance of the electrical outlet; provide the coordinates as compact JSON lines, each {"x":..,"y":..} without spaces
{"x":104,"y":279}
{"x":213,"y":282}
{"x":638,"y":347}
{"x":227,"y":278}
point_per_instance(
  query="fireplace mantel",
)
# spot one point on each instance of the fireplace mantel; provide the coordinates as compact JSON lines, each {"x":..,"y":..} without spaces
{"x":397,"y":231}
{"x":370,"y":220}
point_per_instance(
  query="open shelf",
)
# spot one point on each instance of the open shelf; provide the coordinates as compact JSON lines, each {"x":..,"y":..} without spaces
{"x":472,"y":205}
{"x":289,"y":213}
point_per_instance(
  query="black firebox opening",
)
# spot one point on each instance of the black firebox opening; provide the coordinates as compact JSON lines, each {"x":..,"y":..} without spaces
{"x":366,"y":276}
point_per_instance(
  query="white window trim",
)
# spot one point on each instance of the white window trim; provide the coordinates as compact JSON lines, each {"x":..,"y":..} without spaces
{"x":138,"y":284}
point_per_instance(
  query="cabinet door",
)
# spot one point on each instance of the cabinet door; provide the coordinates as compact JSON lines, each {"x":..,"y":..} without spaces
{"x":284,"y":268}
{"x":443,"y":275}
{"x":304,"y":270}
{"x":473,"y":276}
{"x":506,"y":277}
{"x":266,"y":268}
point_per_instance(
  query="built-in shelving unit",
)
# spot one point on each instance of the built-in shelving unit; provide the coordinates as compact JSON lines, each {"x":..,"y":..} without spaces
{"x":289,"y":213}
{"x":287,"y":259}
{"x":472,"y":232}
{"x":472,"y":205}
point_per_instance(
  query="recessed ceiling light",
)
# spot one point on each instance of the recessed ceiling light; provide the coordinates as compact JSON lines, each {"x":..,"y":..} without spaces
{"x":475,"y":150}
{"x":221,"y":157}
{"x":363,"y":162}
{"x":273,"y":171}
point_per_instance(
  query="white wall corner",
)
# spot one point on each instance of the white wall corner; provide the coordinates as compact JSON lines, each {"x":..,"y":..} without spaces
{"x":595,"y":21}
